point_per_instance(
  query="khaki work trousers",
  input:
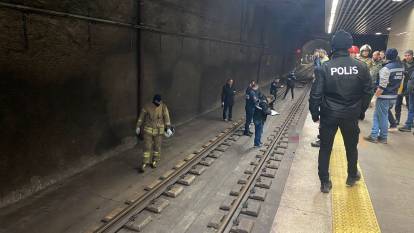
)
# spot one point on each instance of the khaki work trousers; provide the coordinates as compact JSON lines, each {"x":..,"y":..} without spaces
{"x":152,"y":147}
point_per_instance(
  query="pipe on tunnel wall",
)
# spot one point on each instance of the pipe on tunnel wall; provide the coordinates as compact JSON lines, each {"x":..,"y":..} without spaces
{"x":74,"y":74}
{"x":139,"y":26}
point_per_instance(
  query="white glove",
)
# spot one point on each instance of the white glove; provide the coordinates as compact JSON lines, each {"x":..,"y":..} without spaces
{"x":274,"y":113}
{"x":168,"y":133}
{"x":138,"y":130}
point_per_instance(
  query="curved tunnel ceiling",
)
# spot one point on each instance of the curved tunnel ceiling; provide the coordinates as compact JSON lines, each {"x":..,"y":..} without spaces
{"x":366,"y":16}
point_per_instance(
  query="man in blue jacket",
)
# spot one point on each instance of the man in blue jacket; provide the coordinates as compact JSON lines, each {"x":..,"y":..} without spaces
{"x":390,"y":77}
{"x":251,"y":100}
{"x":259,"y":117}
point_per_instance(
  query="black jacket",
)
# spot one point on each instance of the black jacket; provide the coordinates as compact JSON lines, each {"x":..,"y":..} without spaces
{"x":273,"y":88}
{"x":261,"y":110}
{"x":409,"y":69}
{"x":290,"y":81}
{"x":342,"y":88}
{"x":227,"y":94}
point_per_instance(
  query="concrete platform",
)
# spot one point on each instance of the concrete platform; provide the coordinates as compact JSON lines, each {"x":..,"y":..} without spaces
{"x":388,"y":173}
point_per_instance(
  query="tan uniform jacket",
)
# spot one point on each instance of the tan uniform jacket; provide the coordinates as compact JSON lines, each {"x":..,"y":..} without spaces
{"x":154,"y":119}
{"x":367,"y":61}
{"x":374,"y":70}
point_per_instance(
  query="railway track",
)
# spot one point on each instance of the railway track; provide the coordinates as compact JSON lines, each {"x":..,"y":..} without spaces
{"x":118,"y":220}
{"x":249,"y":198}
{"x":183,"y":173}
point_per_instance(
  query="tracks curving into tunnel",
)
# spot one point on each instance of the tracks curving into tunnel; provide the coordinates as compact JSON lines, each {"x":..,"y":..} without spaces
{"x":118,"y":221}
{"x":230,"y":222}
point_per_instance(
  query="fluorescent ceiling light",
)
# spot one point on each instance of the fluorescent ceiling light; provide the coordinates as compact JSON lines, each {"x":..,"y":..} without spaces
{"x":397,"y":0}
{"x":333,"y":14}
{"x":378,"y":33}
{"x":389,"y":29}
{"x":401,"y":33}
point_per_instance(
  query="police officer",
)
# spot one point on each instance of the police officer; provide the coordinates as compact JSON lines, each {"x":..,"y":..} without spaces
{"x":273,"y":92}
{"x":340,"y":96}
{"x":251,"y":99}
{"x":227,"y":100}
{"x":390,"y":77}
{"x":155,"y":119}
{"x":290,"y":84}
{"x":408,"y":62}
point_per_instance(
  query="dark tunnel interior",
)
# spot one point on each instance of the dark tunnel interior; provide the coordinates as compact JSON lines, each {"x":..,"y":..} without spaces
{"x":75,"y":73}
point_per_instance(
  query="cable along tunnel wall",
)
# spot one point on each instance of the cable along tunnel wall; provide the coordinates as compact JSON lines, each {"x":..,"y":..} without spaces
{"x":69,"y":81}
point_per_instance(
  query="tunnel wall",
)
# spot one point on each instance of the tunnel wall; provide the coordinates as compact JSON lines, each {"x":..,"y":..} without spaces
{"x":402,"y":30}
{"x":68,"y":91}
{"x":189,"y":71}
{"x":69,"y":86}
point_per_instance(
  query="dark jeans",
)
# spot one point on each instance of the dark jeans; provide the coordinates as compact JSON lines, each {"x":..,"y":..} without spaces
{"x":258,"y":131}
{"x":398,"y":105}
{"x":327,"y":131}
{"x":287,"y":90}
{"x":410,"y":117}
{"x":249,"y":118}
{"x":227,"y":108}
{"x":272,"y":104}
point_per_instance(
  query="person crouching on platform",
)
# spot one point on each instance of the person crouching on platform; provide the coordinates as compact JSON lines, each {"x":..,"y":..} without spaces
{"x":259,"y":117}
{"x":155,"y":119}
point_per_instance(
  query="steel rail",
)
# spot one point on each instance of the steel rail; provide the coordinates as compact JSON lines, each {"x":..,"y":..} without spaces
{"x":130,"y":211}
{"x":224,"y":227}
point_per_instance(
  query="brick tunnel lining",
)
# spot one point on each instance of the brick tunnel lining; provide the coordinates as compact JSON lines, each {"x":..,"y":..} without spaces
{"x":69,"y":86}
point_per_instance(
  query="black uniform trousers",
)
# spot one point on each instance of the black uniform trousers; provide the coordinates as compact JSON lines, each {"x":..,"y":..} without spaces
{"x":228,"y":107}
{"x":287,"y":90}
{"x":327,"y":131}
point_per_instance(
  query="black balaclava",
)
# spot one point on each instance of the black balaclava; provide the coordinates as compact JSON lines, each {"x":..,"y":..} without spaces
{"x":156,"y":100}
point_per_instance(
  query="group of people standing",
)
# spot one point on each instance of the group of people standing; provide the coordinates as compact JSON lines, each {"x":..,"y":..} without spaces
{"x":392,"y":80}
{"x":258,"y":106}
{"x":342,"y":92}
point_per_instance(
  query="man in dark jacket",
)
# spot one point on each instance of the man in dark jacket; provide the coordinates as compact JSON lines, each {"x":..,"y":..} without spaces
{"x":259,"y":117}
{"x":227,"y":99}
{"x":290,"y":84}
{"x":273,"y":91}
{"x":408,"y":63}
{"x":409,"y":89}
{"x":390,"y":77}
{"x":339,"y":97}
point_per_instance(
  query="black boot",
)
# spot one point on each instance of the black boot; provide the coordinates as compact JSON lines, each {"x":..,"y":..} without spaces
{"x":326,"y":186}
{"x":316,"y":143}
{"x":351,"y":180}
{"x":142,"y":167}
{"x":154,"y":164}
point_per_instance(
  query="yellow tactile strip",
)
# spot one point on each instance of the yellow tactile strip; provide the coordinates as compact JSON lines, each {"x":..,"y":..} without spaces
{"x":352,"y":209}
